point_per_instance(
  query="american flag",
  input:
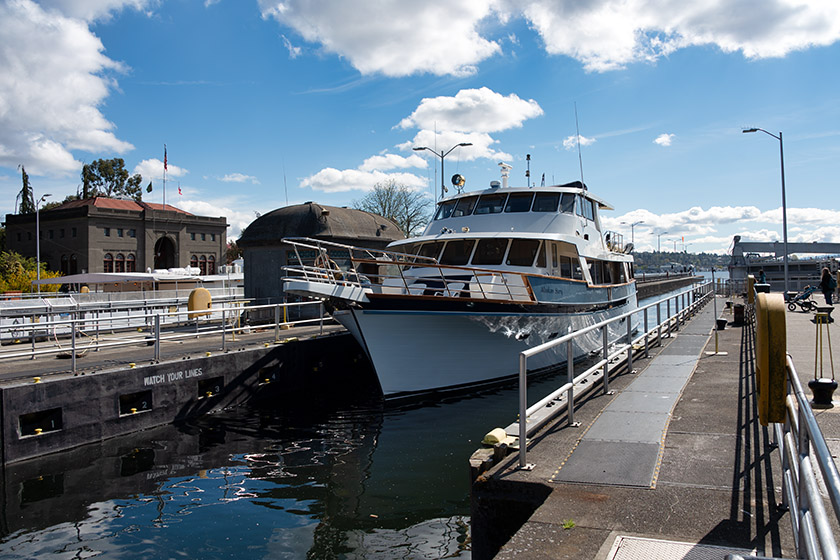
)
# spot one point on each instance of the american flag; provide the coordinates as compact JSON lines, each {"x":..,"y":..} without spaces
{"x":164,"y":157}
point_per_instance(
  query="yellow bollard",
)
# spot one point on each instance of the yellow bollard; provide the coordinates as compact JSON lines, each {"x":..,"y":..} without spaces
{"x":38,"y":431}
{"x":131,"y":364}
{"x":36,"y":379}
{"x":134,"y":411}
{"x":771,"y":356}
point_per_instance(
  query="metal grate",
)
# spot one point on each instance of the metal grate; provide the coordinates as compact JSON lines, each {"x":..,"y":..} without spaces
{"x":635,"y":548}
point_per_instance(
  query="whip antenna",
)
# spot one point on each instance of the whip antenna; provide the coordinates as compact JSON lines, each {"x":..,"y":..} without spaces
{"x":580,"y":157}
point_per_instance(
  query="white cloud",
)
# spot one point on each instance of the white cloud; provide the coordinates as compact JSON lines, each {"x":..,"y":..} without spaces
{"x":571,"y":142}
{"x":481,"y":145}
{"x":335,"y":180}
{"x":90,"y":10}
{"x":664,"y":139}
{"x":610,"y":34}
{"x":294,"y":51}
{"x":239,"y":178}
{"x":54,"y":79}
{"x":392,"y":161}
{"x":445,"y":38}
{"x":237,"y":220}
{"x":391,"y":37}
{"x":472,"y":110}
{"x":152,"y":169}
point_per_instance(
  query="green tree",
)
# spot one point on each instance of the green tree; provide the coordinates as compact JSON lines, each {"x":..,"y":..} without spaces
{"x":25,"y":198}
{"x":17,"y":273}
{"x":407,"y":208}
{"x":109,"y":177}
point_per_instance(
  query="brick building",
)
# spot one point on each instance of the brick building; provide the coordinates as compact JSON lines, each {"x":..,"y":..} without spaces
{"x":112,"y":235}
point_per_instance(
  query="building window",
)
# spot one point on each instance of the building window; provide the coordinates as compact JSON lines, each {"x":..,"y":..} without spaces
{"x":129,"y":264}
{"x":212,"y":237}
{"x":211,"y":265}
{"x":132,"y":233}
{"x":202,"y":265}
{"x":192,"y":236}
{"x":194,"y":261}
{"x":73,"y":265}
{"x":108,"y":263}
{"x":61,"y":233}
{"x":19,"y":236}
{"x":119,"y":263}
{"x":73,"y":232}
{"x":65,"y":265}
{"x":107,"y":231}
{"x":203,"y":237}
{"x":119,"y":232}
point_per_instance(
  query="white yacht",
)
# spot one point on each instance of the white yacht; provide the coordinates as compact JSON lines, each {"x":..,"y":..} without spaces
{"x":495,"y":272}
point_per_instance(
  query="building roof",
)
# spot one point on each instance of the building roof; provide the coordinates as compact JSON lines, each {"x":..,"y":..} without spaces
{"x":316,"y":220}
{"x":119,"y":204}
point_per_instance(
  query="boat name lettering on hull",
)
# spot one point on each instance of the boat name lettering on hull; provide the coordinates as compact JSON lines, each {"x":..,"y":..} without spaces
{"x":172,"y":376}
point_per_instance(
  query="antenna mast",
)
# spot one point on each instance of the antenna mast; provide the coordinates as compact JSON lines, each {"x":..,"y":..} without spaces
{"x":580,"y":157}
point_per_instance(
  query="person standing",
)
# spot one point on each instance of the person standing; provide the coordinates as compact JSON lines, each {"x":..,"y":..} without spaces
{"x":762,"y":278}
{"x":827,"y":285}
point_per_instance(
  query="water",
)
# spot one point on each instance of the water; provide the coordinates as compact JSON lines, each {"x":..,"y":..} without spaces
{"x":348,"y":477}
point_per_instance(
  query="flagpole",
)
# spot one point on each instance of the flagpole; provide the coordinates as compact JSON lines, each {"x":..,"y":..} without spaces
{"x":164,"y":175}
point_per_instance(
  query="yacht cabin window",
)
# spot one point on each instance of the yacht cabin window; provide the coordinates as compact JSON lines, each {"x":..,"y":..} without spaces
{"x":457,"y":252}
{"x":519,"y":202}
{"x":445,"y":210}
{"x":431,"y":250}
{"x":464,"y":207}
{"x":546,"y":202}
{"x":490,"y":251}
{"x":523,"y":251}
{"x":585,"y":208}
{"x":567,"y":203}
{"x":490,"y":204}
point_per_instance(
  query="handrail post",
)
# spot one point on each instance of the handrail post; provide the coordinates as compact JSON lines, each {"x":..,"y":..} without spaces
{"x":647,"y":335}
{"x":32,"y":335}
{"x":605,"y":335}
{"x":224,"y":328}
{"x":523,"y":407}
{"x":658,"y":323}
{"x":321,"y":317}
{"x":157,"y":337}
{"x":276,"y":322}
{"x":668,"y":316}
{"x":570,"y":394}
{"x":629,"y":345}
{"x":97,"y":331}
{"x":73,"y":340}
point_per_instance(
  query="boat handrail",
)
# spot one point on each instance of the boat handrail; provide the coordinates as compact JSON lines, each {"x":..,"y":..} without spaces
{"x":471,"y":282}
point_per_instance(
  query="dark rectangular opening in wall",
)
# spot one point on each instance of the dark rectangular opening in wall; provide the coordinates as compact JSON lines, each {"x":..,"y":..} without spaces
{"x":37,"y":423}
{"x":41,"y":488}
{"x":210,"y":387}
{"x":134,"y":403}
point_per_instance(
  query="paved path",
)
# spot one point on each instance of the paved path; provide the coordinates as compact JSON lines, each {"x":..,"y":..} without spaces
{"x":713,"y":482}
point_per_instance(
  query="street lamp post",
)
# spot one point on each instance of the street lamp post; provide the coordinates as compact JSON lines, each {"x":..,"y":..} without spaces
{"x":784,"y":202}
{"x":633,"y":229}
{"x":442,"y":155}
{"x":659,"y":241}
{"x":38,"y":239}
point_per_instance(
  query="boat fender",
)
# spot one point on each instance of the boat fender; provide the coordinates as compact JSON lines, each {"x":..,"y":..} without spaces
{"x":497,"y":435}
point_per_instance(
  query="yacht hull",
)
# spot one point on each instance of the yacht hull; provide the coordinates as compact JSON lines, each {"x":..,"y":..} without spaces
{"x":416,"y":351}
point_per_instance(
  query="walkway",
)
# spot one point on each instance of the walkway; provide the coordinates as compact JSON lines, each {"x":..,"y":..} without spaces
{"x":677,"y":455}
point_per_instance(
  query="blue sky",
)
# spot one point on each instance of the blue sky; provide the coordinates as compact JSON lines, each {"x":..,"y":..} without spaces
{"x":263,"y":102}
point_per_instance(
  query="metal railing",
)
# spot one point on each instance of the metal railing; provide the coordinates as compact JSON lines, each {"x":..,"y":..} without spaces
{"x":534,"y":417}
{"x":801,"y":443}
{"x":226,"y":321}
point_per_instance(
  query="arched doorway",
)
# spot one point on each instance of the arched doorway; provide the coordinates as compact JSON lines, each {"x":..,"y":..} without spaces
{"x":165,"y":253}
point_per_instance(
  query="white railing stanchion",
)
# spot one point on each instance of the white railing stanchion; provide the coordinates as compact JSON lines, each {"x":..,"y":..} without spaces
{"x":647,"y":333}
{"x":157,"y":337}
{"x":277,"y":322}
{"x":629,"y":344}
{"x":73,"y":341}
{"x":224,"y":329}
{"x":606,"y":356}
{"x":570,"y":394}
{"x":523,"y":407}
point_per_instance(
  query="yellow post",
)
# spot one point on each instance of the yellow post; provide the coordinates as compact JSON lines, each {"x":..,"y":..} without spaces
{"x":751,"y":289}
{"x":771,"y":353}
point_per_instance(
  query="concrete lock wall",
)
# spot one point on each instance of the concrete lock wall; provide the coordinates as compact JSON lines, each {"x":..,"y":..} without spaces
{"x":64,"y":412}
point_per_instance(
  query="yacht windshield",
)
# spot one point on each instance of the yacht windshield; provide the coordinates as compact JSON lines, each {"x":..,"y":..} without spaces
{"x":519,"y":202}
{"x":445,"y":210}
